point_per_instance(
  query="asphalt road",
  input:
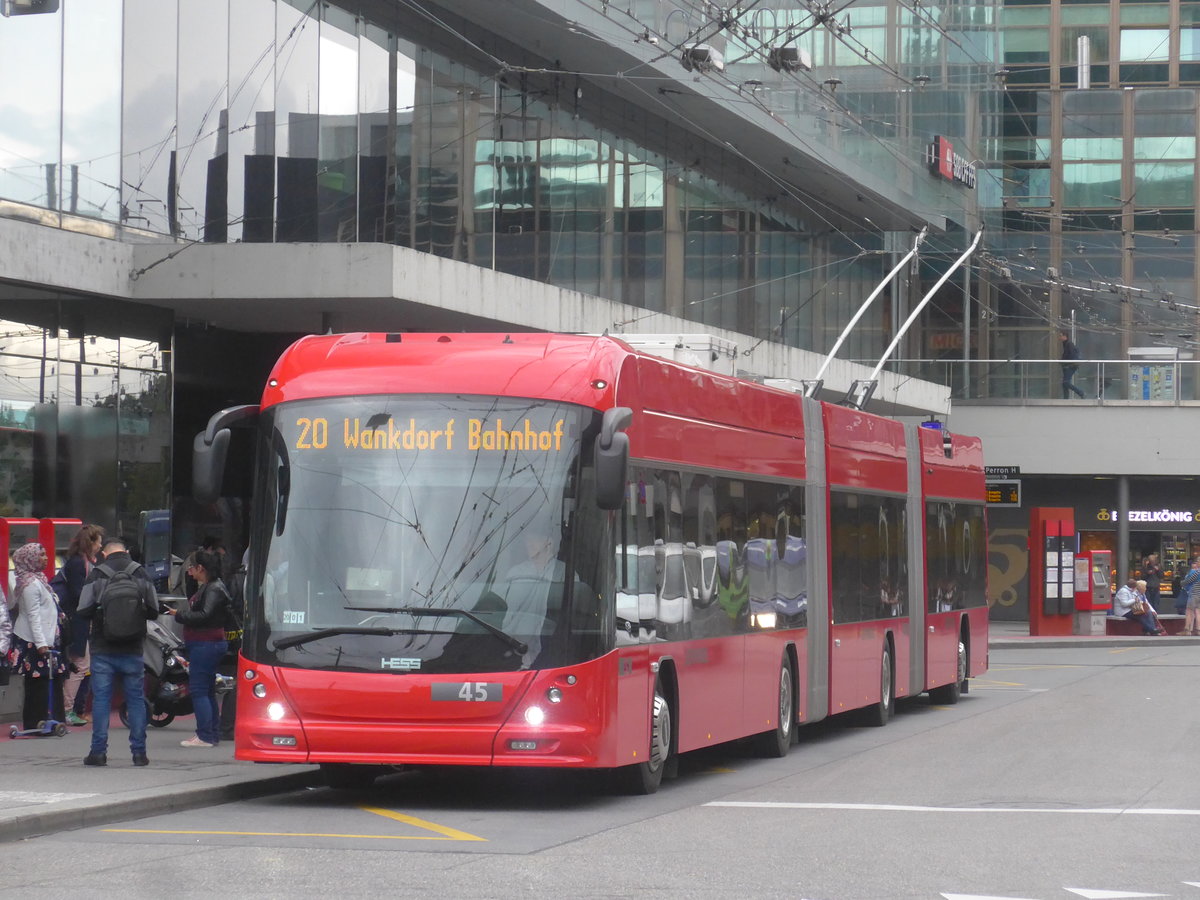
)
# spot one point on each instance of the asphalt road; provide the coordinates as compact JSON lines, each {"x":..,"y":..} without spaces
{"x":1064,"y":773}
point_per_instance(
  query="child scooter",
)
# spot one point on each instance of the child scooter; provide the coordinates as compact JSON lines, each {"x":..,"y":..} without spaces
{"x":49,"y":726}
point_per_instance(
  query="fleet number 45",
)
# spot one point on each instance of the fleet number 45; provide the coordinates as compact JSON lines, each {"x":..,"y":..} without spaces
{"x":468,"y":691}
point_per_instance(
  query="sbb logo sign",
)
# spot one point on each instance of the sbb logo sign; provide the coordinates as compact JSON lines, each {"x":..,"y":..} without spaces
{"x":945,"y":163}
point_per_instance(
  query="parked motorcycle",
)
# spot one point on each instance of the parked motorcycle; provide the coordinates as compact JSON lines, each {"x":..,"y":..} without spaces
{"x":166,"y":679}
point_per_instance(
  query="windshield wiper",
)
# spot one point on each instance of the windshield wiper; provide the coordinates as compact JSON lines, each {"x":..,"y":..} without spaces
{"x":297,"y":640}
{"x":509,"y":641}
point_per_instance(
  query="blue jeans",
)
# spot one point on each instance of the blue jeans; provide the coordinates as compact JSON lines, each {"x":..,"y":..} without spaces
{"x":105,"y":669}
{"x":1146,"y":620}
{"x":203,"y":659}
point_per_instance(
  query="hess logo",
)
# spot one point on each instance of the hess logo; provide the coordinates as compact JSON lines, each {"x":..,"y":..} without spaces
{"x":404,"y":663}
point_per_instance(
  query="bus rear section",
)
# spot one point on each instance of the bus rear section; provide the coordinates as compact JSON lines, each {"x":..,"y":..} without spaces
{"x":955,"y":560}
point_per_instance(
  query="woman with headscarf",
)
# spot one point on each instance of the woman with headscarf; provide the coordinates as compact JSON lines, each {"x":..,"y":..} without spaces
{"x":37,"y":636}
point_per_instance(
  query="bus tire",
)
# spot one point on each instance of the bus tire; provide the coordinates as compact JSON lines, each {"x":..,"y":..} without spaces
{"x":645,"y":777}
{"x":774,"y":744}
{"x":348,"y":776}
{"x":878,"y":714}
{"x":948,"y":694}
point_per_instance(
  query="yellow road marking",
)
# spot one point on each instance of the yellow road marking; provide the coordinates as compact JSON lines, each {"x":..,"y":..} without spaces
{"x":452,"y":834}
{"x":1029,"y":668}
{"x":317,"y":834}
{"x":444,"y":833}
{"x":1121,"y":649}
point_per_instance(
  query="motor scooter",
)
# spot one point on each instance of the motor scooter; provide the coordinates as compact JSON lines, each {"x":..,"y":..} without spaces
{"x":166,"y":679}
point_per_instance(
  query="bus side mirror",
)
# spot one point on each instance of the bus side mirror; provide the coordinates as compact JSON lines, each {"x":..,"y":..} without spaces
{"x":612,"y":457}
{"x":209,"y":450}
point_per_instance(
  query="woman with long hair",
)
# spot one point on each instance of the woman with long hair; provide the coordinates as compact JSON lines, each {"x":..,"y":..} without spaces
{"x":203,"y":621}
{"x":81,"y":556}
{"x":37,"y":637}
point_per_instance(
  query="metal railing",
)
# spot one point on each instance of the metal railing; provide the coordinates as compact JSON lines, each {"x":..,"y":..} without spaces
{"x":1099,"y":381}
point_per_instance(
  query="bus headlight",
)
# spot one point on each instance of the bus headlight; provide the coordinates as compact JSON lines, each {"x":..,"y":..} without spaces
{"x":275,"y":711}
{"x":535,"y":716}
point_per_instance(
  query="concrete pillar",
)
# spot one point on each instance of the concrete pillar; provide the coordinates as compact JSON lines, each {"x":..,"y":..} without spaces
{"x":1122,"y":529}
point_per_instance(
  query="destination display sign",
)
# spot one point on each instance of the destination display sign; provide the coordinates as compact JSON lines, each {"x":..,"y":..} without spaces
{"x":412,"y":434}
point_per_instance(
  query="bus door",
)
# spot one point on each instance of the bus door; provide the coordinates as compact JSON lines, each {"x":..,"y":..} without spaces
{"x":948,"y":539}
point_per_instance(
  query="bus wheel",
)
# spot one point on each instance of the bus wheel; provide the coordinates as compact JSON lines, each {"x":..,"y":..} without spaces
{"x":775,"y":743}
{"x":645,"y":777}
{"x":948,"y":694}
{"x":879,"y":714}
{"x":347,"y":776}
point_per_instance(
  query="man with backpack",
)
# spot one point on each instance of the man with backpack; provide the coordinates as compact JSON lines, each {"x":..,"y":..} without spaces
{"x":119,"y":599}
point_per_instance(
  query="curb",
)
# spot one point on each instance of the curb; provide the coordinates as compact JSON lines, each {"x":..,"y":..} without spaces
{"x":1085,"y":641}
{"x":32,"y":824}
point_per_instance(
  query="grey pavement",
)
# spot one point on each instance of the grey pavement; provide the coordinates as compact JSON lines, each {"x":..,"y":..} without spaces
{"x":45,"y":788}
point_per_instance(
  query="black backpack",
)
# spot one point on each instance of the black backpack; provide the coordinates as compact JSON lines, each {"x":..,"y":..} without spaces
{"x":122,"y":613}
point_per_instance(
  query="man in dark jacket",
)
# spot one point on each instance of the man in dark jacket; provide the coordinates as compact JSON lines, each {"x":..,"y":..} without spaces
{"x":1070,"y":353}
{"x":111,"y":659}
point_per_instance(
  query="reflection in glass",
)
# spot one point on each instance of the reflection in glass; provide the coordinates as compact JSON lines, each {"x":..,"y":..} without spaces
{"x":252,"y":122}
{"x":30,"y":117}
{"x":91,"y":149}
{"x":296,"y":92}
{"x":148,"y":114}
{"x":1091,"y":184}
{"x":1164,"y":184}
{"x":201,"y":161}
{"x":337,"y":168}
{"x":1145,"y":44}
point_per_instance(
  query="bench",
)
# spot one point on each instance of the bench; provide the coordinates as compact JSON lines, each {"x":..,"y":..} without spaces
{"x":1118,"y":625}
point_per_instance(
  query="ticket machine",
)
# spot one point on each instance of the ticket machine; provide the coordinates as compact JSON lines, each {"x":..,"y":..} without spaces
{"x":1093,"y":590}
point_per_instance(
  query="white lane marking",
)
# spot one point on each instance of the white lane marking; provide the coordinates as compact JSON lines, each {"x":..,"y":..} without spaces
{"x":1108,"y":895}
{"x":39,"y":797}
{"x":889,"y":807}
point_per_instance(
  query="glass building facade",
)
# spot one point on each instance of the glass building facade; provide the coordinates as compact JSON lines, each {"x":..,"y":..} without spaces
{"x":1091,"y":189}
{"x":260,"y":121}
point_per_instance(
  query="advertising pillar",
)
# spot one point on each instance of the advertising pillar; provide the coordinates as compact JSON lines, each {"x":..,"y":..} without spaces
{"x":1052,"y":545}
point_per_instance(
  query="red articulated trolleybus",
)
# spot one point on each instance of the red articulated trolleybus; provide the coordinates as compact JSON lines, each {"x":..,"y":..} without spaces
{"x":554,"y":550}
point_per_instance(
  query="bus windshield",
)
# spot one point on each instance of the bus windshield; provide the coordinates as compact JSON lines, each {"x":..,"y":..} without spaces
{"x":431,"y":534}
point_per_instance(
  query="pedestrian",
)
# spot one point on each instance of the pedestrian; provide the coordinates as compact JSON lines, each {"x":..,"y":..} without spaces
{"x":1152,"y":572}
{"x":37,"y":636}
{"x":227,"y":565}
{"x":81,"y":556}
{"x":116,"y":657}
{"x":5,"y":638}
{"x":1070,"y":353}
{"x":1181,"y":587}
{"x":204,"y":619}
{"x":237,"y":599}
{"x":1187,"y":598}
{"x":1130,"y":603}
{"x":5,"y":628}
